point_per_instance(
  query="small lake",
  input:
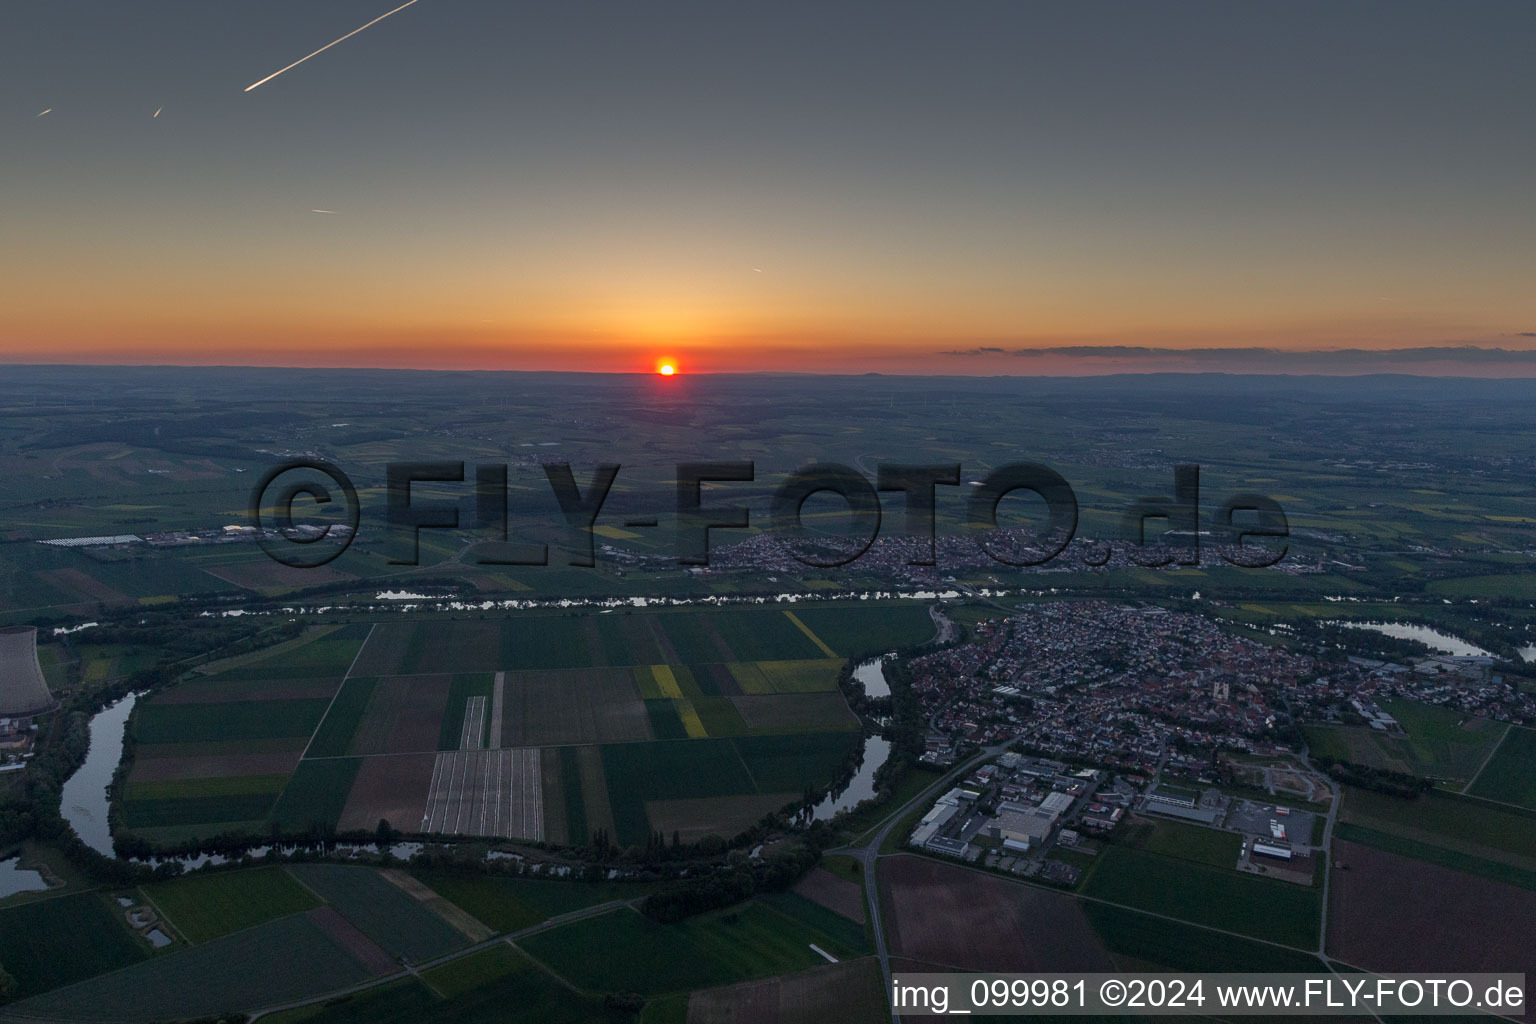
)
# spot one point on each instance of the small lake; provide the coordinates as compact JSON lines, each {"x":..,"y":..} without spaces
{"x":860,"y":787}
{"x":1443,"y":643}
{"x":84,"y":802}
{"x":15,"y":879}
{"x":872,"y":674}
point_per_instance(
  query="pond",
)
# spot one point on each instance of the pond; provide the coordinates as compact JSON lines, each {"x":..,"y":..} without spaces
{"x":84,"y":802}
{"x":1434,"y":639}
{"x":15,"y":879}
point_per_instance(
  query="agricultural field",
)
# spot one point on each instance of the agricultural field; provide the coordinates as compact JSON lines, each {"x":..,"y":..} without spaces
{"x":202,"y":907}
{"x":1441,"y":744}
{"x":1208,"y":846}
{"x":943,"y":917}
{"x":852,"y":993}
{"x":1138,"y":941}
{"x":545,"y":727}
{"x":623,"y":951}
{"x":316,"y":795}
{"x":1507,"y":874}
{"x":216,"y":752}
{"x":52,"y":942}
{"x":1506,"y":835}
{"x":512,"y":904}
{"x":396,"y":921}
{"x":836,"y":893}
{"x":1510,"y":775}
{"x":495,"y":986}
{"x":289,"y":958}
{"x":1390,"y":913}
{"x":1261,"y":907}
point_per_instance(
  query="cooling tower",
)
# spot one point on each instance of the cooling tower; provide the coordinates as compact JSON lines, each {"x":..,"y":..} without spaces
{"x":23,"y":692}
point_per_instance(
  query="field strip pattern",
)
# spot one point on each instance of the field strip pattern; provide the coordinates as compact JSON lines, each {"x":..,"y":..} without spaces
{"x":829,"y":652}
{"x":497,"y":695}
{"x":474,"y":724}
{"x":487,"y":793}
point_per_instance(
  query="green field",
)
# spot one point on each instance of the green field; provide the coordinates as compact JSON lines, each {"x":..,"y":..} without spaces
{"x":675,"y":770}
{"x":496,"y":986}
{"x":286,"y":959}
{"x":1208,"y":846}
{"x":788,"y":764}
{"x":52,"y":942}
{"x":325,"y":651}
{"x":400,"y":924}
{"x":230,"y":721}
{"x":463,"y":687}
{"x":1261,"y":907}
{"x":205,"y":906}
{"x":848,"y":933}
{"x":1510,"y":777}
{"x":511,"y":904}
{"x":224,"y":785}
{"x":334,"y":737}
{"x":200,"y":810}
{"x":1440,"y":743}
{"x":862,"y":631}
{"x":315,"y":794}
{"x":623,"y":951}
{"x":1504,"y":834}
{"x":1169,"y":945}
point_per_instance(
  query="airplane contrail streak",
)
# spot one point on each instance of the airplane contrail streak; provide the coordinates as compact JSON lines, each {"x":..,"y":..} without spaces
{"x":41,"y":113}
{"x":157,"y":112}
{"x":327,"y":46}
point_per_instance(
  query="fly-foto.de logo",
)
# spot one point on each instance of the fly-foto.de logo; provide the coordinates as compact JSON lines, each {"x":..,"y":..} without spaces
{"x":1156,"y":531}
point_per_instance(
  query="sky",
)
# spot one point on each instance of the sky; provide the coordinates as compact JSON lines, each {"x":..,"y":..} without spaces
{"x":966,"y":187}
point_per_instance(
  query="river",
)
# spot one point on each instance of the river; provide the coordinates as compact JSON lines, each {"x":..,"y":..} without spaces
{"x":860,"y":787}
{"x":84,"y":803}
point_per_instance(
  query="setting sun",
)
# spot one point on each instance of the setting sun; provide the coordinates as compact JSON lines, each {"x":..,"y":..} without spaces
{"x":666,"y":369}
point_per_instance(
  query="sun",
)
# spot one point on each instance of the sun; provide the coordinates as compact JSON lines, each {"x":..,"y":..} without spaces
{"x":666,"y":369}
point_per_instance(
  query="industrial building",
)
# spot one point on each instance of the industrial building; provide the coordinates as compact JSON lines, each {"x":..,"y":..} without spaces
{"x":940,"y":814}
{"x":23,"y":693}
{"x":1278,"y":850}
{"x":1203,"y":815}
{"x":1059,"y":803}
{"x":1023,"y":824}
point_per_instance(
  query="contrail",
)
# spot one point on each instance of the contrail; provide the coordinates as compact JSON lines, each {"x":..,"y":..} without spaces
{"x":157,"y":112}
{"x":327,"y":46}
{"x":50,"y":109}
{"x":322,"y":211}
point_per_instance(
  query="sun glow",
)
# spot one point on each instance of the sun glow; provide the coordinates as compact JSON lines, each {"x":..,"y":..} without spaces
{"x":666,"y":369}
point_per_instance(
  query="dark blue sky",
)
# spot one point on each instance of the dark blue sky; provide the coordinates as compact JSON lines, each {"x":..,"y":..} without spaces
{"x":746,"y":184}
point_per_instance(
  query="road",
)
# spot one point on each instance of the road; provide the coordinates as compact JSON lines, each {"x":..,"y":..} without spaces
{"x":868,"y":857}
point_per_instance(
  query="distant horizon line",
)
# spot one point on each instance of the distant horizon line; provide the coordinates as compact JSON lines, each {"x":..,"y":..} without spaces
{"x":681,"y":374}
